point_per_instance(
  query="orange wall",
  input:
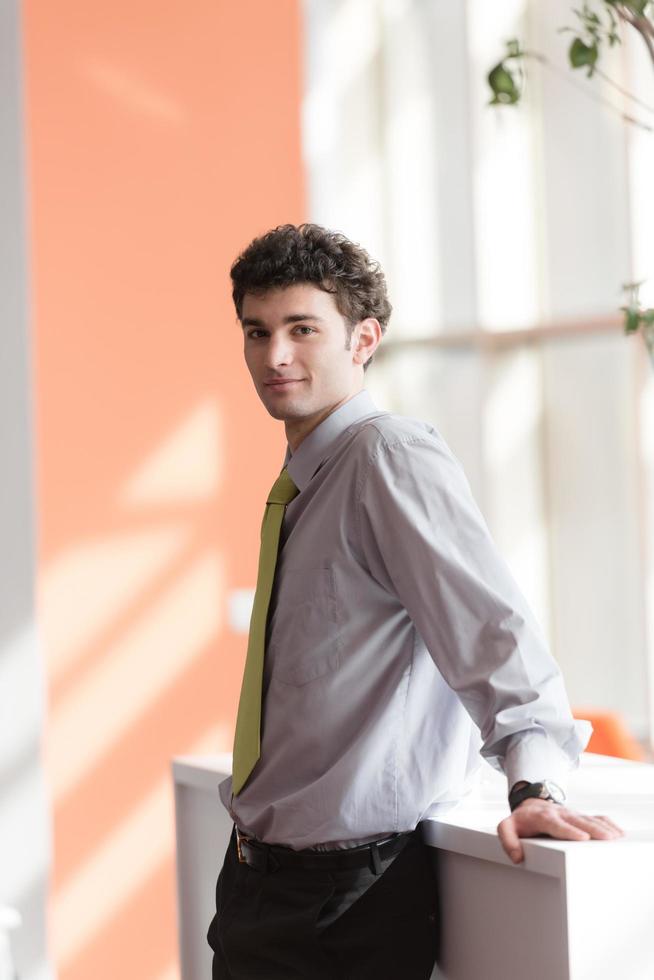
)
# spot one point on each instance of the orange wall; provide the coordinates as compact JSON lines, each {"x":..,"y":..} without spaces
{"x":161,"y":138}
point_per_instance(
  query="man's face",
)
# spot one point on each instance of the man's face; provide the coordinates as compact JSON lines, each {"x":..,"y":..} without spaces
{"x":295,"y":350}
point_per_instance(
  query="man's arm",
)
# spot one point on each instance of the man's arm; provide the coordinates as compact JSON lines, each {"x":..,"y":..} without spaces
{"x":424,"y":536}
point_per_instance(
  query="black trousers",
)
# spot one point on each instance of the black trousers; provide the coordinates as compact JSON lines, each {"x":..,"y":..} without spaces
{"x":301,"y":924}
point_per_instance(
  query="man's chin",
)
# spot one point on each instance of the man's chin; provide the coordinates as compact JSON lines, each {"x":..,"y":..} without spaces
{"x":284,"y":412}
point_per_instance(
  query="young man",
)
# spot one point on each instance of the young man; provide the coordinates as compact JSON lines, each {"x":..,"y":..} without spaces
{"x":389,"y":646}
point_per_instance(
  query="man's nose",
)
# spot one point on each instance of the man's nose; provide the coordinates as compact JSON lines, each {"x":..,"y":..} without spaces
{"x":279,"y":352}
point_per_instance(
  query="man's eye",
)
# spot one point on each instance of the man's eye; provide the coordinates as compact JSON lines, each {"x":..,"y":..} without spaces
{"x":255,"y":334}
{"x":307,"y":330}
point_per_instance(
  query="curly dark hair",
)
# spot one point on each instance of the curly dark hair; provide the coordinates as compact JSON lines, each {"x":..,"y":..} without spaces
{"x":309,"y":253}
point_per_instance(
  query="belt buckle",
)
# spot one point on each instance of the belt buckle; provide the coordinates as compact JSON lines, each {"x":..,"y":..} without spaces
{"x":239,"y":838}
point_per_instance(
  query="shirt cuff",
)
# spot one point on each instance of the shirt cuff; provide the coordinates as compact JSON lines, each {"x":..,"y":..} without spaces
{"x":535,"y":757}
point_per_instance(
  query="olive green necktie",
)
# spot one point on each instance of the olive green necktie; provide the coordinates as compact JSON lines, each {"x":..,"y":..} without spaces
{"x":248,"y":723}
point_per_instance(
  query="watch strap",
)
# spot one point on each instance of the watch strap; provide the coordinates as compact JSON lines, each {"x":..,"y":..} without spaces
{"x":543,"y":790}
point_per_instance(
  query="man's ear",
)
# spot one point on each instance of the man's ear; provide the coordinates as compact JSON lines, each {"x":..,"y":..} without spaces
{"x":366,"y":338}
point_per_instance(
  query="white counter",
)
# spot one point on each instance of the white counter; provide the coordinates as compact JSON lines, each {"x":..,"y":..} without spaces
{"x":571,"y":911}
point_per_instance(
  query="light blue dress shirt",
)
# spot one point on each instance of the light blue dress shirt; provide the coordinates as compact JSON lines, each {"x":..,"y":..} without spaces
{"x":399,"y":648}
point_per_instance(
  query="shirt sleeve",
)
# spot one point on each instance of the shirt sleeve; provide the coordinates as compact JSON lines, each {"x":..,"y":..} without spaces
{"x":424,"y":538}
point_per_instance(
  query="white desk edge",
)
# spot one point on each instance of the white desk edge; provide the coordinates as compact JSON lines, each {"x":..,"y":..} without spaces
{"x":617,"y":788}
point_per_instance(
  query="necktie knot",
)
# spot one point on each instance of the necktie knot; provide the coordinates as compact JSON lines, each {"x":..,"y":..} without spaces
{"x":283,"y":489}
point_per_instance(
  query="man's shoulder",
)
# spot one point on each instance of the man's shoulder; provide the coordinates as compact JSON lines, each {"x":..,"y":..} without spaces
{"x":388,"y":447}
{"x":387,"y":430}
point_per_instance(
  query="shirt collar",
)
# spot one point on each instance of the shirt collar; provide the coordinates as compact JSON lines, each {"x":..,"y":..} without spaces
{"x":319,"y":444}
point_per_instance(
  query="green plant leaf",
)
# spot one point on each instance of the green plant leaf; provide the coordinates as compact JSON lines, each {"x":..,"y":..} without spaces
{"x":631,"y":320}
{"x":583,"y":55}
{"x":503,"y":86}
{"x":513,"y":48}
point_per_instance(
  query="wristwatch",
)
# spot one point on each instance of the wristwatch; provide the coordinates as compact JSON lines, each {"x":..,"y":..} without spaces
{"x":545,"y":790}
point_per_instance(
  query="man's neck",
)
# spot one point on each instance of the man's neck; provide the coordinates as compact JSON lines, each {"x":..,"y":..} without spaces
{"x":298,"y":429}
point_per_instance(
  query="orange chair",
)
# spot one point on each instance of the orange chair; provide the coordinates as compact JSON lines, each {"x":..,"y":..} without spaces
{"x":610,"y":735}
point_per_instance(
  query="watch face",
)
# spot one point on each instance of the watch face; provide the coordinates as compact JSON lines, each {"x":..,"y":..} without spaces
{"x":553,"y":791}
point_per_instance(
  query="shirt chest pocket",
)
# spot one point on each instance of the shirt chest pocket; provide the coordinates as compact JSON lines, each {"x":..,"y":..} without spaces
{"x":304,"y":641}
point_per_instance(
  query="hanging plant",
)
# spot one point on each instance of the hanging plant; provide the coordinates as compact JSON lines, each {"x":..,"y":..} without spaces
{"x":591,"y":34}
{"x":637,"y":318}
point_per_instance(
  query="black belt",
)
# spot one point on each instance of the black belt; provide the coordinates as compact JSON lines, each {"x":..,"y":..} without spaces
{"x":270,"y":857}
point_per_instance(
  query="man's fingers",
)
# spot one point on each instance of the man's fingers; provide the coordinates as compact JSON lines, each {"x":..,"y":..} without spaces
{"x":565,"y":830}
{"x":619,"y":832}
{"x":597,"y":827}
{"x":540,"y":817}
{"x":510,"y":840}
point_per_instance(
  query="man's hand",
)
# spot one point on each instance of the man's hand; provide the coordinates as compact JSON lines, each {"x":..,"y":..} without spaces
{"x":534,"y":817}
